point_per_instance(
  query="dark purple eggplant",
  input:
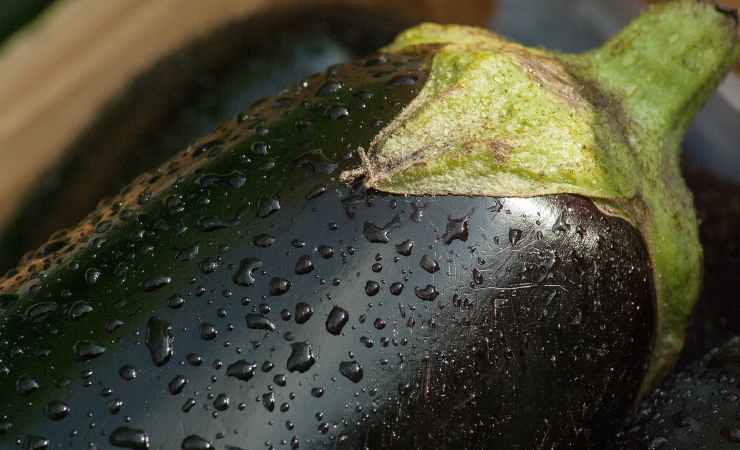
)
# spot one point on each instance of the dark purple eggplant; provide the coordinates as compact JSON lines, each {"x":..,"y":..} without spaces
{"x":695,"y":409}
{"x":454,"y":243}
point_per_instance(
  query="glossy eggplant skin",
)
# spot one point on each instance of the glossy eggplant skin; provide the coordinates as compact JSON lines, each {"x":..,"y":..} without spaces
{"x":242,"y":297}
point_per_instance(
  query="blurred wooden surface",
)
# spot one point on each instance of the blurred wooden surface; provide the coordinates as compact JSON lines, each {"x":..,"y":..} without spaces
{"x":58,"y":74}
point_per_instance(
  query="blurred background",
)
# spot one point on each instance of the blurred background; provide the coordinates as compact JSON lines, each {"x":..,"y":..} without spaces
{"x":95,"y":92}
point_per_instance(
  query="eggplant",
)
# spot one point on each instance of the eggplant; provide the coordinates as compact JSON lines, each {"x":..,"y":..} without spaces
{"x":695,"y":409}
{"x":457,"y":242}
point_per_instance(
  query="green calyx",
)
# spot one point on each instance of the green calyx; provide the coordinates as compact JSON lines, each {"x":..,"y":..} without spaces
{"x":499,"y":119}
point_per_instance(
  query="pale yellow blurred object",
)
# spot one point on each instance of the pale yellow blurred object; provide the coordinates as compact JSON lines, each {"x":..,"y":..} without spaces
{"x":58,"y":74}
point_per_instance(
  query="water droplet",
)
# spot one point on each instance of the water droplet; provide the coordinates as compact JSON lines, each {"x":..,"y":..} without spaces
{"x":131,"y":438}
{"x":336,"y":112}
{"x":280,"y":379}
{"x":213,"y":223}
{"x":303,"y":312}
{"x":195,"y":442}
{"x":477,"y":277}
{"x":326,"y":251}
{"x":317,"y":392}
{"x":87,"y":350}
{"x":304,"y":265}
{"x":372,"y":288}
{"x":374,"y":233}
{"x":405,"y":247}
{"x":221,"y":402}
{"x":194,"y":359}
{"x":263,"y":240}
{"x":260,"y":148}
{"x":456,"y":229}
{"x":429,"y":264}
{"x":268,"y":401}
{"x":330,"y":87}
{"x":268,"y":206}
{"x":33,"y":442}
{"x":25,"y":385}
{"x":127,"y":372}
{"x":208,"y":331}
{"x":175,"y":301}
{"x":244,"y":276}
{"x":338,"y":317}
{"x":301,"y":357}
{"x":79,"y":309}
{"x":177,"y":384}
{"x":92,"y":275}
{"x":396,"y":288}
{"x":242,"y":369}
{"x":188,"y":254}
{"x":57,"y":410}
{"x":114,"y":405}
{"x":188,"y":405}
{"x":428,"y":293}
{"x":352,"y":370}
{"x":315,"y":192}
{"x":152,"y":284}
{"x":40,"y":311}
{"x":514,"y":236}
{"x":259,"y":322}
{"x":279,"y":286}
{"x":159,"y":340}
{"x":379,"y":324}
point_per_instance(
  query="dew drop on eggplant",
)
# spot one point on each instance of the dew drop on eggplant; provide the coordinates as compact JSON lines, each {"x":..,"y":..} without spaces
{"x":26,"y":385}
{"x":515,"y":236}
{"x":159,"y":340}
{"x":57,"y":410}
{"x":268,"y":206}
{"x":208,"y":331}
{"x":326,"y":251}
{"x":268,"y":401}
{"x":195,"y":442}
{"x":330,"y":87}
{"x":130,"y":438}
{"x":301,"y":358}
{"x":87,"y":350}
{"x":177,"y":384}
{"x":79,"y":309}
{"x":279,"y":286}
{"x":396,"y":288}
{"x":338,"y":317}
{"x":152,"y":284}
{"x":127,"y":372}
{"x":456,"y":229}
{"x":429,"y":264}
{"x":352,"y":370}
{"x":304,"y":265}
{"x":33,"y":442}
{"x":221,"y":402}
{"x":263,"y":240}
{"x":377,"y":234}
{"x":372,"y":288}
{"x":259,"y":322}
{"x":303,"y":312}
{"x":244,"y":276}
{"x":405,"y":247}
{"x":242,"y":370}
{"x":428,"y":293}
{"x":175,"y":301}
